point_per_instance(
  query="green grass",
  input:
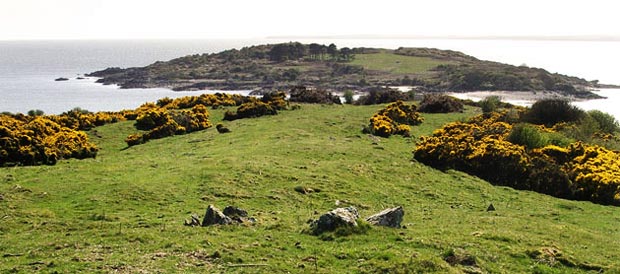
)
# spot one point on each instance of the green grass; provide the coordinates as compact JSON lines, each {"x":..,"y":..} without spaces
{"x":394,"y":63}
{"x":124,"y":210}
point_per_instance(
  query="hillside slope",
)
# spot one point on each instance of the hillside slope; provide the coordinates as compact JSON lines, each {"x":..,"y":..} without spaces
{"x":124,"y":210}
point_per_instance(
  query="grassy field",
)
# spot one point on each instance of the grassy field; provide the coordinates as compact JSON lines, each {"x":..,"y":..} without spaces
{"x":393,"y":63}
{"x":124,"y":211}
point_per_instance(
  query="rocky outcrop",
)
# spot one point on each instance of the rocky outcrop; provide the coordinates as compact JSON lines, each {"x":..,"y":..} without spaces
{"x":214,"y":216}
{"x":193,"y":221}
{"x":339,"y":217}
{"x":238,"y":215}
{"x":391,"y":217}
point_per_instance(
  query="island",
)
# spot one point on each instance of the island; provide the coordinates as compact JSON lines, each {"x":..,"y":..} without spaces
{"x":282,"y":66}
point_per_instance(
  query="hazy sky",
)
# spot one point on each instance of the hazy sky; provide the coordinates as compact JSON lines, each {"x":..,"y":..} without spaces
{"x":87,"y":19}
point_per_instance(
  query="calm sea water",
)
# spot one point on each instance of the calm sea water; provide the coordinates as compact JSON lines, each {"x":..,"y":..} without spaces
{"x":28,"y":68}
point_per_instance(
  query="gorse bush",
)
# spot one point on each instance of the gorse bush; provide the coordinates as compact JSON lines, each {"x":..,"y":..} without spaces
{"x":37,"y":139}
{"x":478,"y":147}
{"x":484,"y":147}
{"x":27,"y":140}
{"x":434,"y":103}
{"x":162,"y":123}
{"x":268,"y":105}
{"x":210,"y":100}
{"x":395,"y":118}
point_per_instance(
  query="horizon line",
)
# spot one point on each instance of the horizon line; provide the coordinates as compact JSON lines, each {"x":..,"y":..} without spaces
{"x":592,"y":38}
{"x":589,"y":37}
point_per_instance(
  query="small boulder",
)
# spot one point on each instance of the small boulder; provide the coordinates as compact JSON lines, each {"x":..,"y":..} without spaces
{"x":390,"y":217}
{"x":214,"y":216}
{"x":222,"y":129}
{"x":61,"y":79}
{"x":491,"y":208}
{"x":232,"y":211}
{"x":339,"y":217}
{"x":238,"y":215}
{"x":194,"y":221}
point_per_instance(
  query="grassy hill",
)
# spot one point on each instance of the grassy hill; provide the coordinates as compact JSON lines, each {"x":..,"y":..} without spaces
{"x":124,"y":211}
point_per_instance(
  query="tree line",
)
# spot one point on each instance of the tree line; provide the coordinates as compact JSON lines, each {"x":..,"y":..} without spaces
{"x":314,"y":51}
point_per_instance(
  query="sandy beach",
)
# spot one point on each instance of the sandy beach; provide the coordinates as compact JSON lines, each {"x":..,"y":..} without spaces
{"x":521,"y":98}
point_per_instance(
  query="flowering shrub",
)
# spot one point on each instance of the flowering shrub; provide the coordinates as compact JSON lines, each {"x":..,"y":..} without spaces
{"x":268,"y":105}
{"x":250,"y":110}
{"x":27,"y":140}
{"x":394,"y":119}
{"x":477,"y":148}
{"x":595,"y":172}
{"x":480,"y":147}
{"x":163,"y":123}
{"x":213,"y":100}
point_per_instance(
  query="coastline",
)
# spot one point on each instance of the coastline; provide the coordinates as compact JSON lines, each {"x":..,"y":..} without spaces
{"x":520,"y":98}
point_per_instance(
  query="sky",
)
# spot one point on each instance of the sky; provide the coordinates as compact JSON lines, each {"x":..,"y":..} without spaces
{"x":182,"y":19}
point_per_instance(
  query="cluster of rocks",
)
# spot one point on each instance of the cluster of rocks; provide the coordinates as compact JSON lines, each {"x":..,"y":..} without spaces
{"x":214,"y":216}
{"x":348,"y":216}
{"x":330,"y":221}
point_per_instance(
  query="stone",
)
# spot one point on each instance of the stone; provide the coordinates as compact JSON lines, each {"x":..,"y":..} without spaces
{"x":61,"y":79}
{"x":222,"y":129}
{"x":391,"y":217}
{"x":232,"y":211}
{"x":214,"y":216}
{"x":238,"y":215}
{"x":194,"y":221}
{"x":491,"y":208}
{"x":339,"y":217}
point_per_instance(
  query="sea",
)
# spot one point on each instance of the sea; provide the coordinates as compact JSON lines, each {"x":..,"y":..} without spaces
{"x":28,"y":69}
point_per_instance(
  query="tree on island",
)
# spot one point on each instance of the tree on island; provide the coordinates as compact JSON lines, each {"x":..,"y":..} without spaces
{"x":346,"y":54}
{"x":315,"y":51}
{"x":288,"y":51}
{"x":332,"y":50}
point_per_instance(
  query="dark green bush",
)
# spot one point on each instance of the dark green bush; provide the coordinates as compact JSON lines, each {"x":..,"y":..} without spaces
{"x":433,"y":103}
{"x":380,"y":95}
{"x":527,"y":135}
{"x":302,"y":94}
{"x":490,"y":103}
{"x":549,"y":112}
{"x":348,"y":97}
{"x":606,"y":122}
